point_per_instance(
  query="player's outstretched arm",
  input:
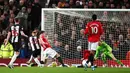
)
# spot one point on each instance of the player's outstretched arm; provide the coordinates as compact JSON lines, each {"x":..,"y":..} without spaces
{"x":23,"y":34}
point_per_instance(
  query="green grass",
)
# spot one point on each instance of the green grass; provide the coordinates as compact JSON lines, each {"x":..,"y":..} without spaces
{"x":62,"y":70}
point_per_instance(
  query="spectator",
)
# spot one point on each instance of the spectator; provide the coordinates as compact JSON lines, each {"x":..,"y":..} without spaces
{"x":23,"y":50}
{"x":11,"y":4}
{"x":110,"y":40}
{"x":61,"y":4}
{"x":6,"y":6}
{"x":71,"y":4}
{"x":29,"y":19}
{"x":101,"y":5}
{"x":112,"y":6}
{"x":90,"y":4}
{"x":21,"y":4}
{"x":36,"y":14}
{"x":6,"y":51}
{"x":15,"y":10}
{"x":66,"y":5}
{"x":23,"y":15}
{"x":128,"y":39}
{"x":127,"y":5}
{"x":57,"y":47}
{"x":123,"y":47}
{"x":66,"y":52}
{"x":78,"y":4}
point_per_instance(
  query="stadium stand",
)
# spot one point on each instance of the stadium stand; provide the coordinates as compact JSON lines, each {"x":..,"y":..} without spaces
{"x":87,"y":4}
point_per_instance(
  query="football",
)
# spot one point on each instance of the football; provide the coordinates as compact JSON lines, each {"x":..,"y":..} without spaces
{"x":79,"y":48}
{"x":54,"y":64}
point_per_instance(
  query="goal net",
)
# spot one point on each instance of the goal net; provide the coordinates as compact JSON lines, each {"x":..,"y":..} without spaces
{"x":63,"y":29}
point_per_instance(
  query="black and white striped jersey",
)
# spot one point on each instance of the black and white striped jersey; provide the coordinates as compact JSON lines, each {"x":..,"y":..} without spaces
{"x":15,"y":33}
{"x":33,"y":40}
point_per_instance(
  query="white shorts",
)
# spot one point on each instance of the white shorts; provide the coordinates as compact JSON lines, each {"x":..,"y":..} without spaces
{"x":84,"y":62}
{"x":92,"y":45}
{"x":49,"y":52}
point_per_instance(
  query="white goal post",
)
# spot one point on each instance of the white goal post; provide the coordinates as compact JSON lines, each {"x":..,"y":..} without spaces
{"x":63,"y":29}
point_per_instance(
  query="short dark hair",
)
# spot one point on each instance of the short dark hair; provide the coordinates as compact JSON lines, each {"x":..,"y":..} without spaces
{"x":16,"y":19}
{"x":94,"y":16}
{"x":40,"y":32}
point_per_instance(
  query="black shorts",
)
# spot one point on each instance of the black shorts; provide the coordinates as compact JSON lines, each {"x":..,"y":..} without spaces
{"x":16,"y":46}
{"x":36,"y":52}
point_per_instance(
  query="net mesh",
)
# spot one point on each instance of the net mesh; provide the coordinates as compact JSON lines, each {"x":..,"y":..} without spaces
{"x":63,"y":30}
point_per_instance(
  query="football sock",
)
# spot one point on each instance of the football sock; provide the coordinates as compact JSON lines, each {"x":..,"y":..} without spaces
{"x":30,"y":58}
{"x":60,"y":60}
{"x":37,"y":61}
{"x":119,"y":62}
{"x":13,"y":59}
{"x":91,"y":59}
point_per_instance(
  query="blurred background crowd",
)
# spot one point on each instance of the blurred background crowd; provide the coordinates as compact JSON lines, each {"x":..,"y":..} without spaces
{"x":87,"y":3}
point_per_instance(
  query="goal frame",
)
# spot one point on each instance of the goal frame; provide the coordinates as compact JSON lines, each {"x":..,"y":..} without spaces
{"x":52,"y":9}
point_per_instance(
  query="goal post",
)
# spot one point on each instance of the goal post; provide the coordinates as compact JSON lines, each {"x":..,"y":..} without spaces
{"x":63,"y":29}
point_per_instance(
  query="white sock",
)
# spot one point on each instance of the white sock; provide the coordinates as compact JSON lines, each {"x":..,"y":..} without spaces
{"x":13,"y":59}
{"x":37,"y":61}
{"x":43,"y":56}
{"x":30,"y":58}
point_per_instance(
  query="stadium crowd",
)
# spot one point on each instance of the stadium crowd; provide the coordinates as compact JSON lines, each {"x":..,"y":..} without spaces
{"x":89,"y":4}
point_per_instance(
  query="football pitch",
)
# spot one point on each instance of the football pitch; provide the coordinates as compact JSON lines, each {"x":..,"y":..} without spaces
{"x":62,"y":70}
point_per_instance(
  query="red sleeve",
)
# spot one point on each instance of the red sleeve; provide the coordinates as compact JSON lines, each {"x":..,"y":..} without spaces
{"x":87,"y":29}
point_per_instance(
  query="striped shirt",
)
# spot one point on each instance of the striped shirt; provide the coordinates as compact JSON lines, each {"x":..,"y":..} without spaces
{"x":34,"y":43}
{"x":15,"y":33}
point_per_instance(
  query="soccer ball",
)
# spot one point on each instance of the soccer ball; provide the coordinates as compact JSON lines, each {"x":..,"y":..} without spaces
{"x":54,"y":64}
{"x":79,"y":48}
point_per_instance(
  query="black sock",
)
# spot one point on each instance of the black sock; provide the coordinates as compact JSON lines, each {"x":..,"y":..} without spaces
{"x":60,"y":60}
{"x":91,"y":59}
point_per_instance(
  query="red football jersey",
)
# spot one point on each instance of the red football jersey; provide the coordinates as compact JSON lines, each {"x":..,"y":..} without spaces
{"x":44,"y":42}
{"x":94,"y":31}
{"x":86,"y":54}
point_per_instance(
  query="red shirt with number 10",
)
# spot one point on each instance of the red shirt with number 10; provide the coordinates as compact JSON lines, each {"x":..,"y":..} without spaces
{"x":94,"y":31}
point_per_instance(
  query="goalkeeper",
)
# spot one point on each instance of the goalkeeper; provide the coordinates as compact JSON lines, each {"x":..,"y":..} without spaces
{"x":106,"y":51}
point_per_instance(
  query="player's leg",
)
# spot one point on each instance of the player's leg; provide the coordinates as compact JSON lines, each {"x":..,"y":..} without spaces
{"x":91,"y":52}
{"x":92,"y":48}
{"x":43,"y":56}
{"x":58,"y":57}
{"x":113,"y":57}
{"x":35,"y":54}
{"x":84,"y":63}
{"x":30,"y":59}
{"x":16,"y":54}
{"x":103,"y":57}
{"x":53,"y":54}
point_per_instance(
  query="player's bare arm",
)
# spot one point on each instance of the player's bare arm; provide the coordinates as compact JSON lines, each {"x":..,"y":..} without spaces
{"x":8,"y":36}
{"x":23,"y":34}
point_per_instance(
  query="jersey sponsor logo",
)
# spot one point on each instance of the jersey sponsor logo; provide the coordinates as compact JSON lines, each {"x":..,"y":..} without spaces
{"x":15,"y":30}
